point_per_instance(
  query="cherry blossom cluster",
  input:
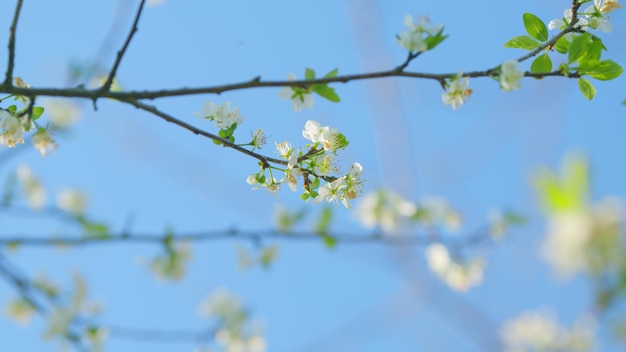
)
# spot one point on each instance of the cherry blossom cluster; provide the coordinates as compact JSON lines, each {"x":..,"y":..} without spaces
{"x":595,"y":16}
{"x":16,"y":123}
{"x":312,"y":164}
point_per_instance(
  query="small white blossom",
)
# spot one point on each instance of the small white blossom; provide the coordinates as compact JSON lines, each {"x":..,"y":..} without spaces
{"x":412,"y":39}
{"x":287,"y":152}
{"x":539,"y":331}
{"x":323,"y":164}
{"x":31,"y":187}
{"x":330,"y":138}
{"x":269,"y":183}
{"x":72,"y":201}
{"x":332,"y":192}
{"x":459,"y":276}
{"x":312,"y":131}
{"x":258,"y":138}
{"x":571,"y":245}
{"x":510,"y":76}
{"x":291,"y":178}
{"x":300,"y":97}
{"x":457,"y":92}
{"x":43,"y":142}
{"x":61,"y":112}
{"x":20,"y":311}
{"x":11,"y":129}
{"x":223,"y":116}
{"x":386,"y":209}
{"x":353,"y":181}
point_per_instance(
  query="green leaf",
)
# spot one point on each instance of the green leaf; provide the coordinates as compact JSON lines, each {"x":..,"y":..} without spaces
{"x":309,"y":73}
{"x":567,"y":191}
{"x":12,"y":109}
{"x":268,"y":255}
{"x":332,"y":73}
{"x":541,"y":64}
{"x":535,"y":27}
{"x":624,"y":102}
{"x":433,"y":40}
{"x":329,"y":241}
{"x":93,"y":229}
{"x":562,"y":45}
{"x":326,"y":92}
{"x":602,"y":70}
{"x":594,"y":49}
{"x":586,"y":88}
{"x":37,"y":112}
{"x":522,"y":42}
{"x":578,"y":48}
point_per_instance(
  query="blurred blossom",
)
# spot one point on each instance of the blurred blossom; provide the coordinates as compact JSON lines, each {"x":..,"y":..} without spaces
{"x":585,"y":240}
{"x":539,"y":331}
{"x":435,"y":211}
{"x":460,"y":276}
{"x":31,"y":187}
{"x":61,"y":112}
{"x":235,"y":333}
{"x":72,"y":201}
{"x":384,"y":209}
{"x":220,"y":304}
{"x":20,"y":311}
{"x":43,"y":142}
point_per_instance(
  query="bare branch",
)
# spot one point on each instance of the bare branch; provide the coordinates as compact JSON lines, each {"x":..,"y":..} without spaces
{"x":120,"y":53}
{"x":475,"y":238}
{"x":8,"y":79}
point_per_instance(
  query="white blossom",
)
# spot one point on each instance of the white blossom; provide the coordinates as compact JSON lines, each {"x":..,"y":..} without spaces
{"x":72,"y":201}
{"x":43,"y":142}
{"x":510,"y":76}
{"x":540,"y":331}
{"x":223,"y":116}
{"x":457,"y":92}
{"x":300,"y":97}
{"x":31,"y":187}
{"x":11,"y":129}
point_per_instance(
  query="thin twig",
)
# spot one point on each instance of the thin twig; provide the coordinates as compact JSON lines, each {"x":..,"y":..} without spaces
{"x":8,"y":79}
{"x":22,"y":285}
{"x":127,"y":96}
{"x":120,"y":53}
{"x":153,"y":110}
{"x":477,"y":237}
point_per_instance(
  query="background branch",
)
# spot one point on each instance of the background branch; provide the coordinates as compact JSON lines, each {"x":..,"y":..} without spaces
{"x":8,"y":80}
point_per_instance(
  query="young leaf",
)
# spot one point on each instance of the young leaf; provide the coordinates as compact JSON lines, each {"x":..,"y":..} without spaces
{"x":561,"y":45}
{"x":332,"y":73}
{"x":325,"y":91}
{"x":37,"y":111}
{"x":522,"y":42}
{"x":588,"y":90}
{"x":541,"y":64}
{"x":434,"y":40}
{"x":535,"y":27}
{"x":309,"y":73}
{"x":603,"y":70}
{"x":578,"y":48}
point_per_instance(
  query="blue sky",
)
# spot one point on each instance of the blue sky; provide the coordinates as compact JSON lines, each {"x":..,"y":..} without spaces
{"x":354,"y":297}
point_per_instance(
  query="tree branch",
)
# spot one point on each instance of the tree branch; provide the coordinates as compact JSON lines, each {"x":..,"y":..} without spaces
{"x":8,"y":79}
{"x":476,"y":237}
{"x":120,"y":53}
